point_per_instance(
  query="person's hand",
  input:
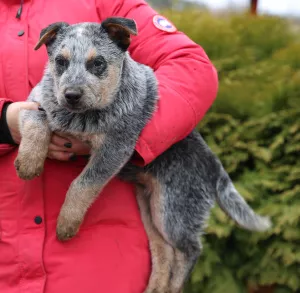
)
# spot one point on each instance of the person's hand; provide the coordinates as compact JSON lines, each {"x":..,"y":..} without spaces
{"x":12,"y":117}
{"x":65,"y":148}
{"x":61,"y":147}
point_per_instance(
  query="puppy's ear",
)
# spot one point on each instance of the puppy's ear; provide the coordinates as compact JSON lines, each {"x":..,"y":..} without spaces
{"x":119,"y":30}
{"x":49,"y":33}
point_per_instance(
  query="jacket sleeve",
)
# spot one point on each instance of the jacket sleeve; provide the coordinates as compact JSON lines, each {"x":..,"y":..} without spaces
{"x":5,"y":145}
{"x":187,"y":79}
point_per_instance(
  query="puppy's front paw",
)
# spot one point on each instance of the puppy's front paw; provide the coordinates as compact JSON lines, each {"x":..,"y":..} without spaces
{"x":28,"y":166}
{"x":67,"y":226}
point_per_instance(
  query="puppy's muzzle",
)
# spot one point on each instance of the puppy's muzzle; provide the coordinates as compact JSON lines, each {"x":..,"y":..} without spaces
{"x":73,"y":95}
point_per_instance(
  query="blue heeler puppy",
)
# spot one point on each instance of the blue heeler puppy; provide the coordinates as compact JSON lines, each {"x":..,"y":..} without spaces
{"x":94,"y":91}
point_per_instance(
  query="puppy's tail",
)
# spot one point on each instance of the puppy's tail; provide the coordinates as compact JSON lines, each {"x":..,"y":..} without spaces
{"x":236,"y":207}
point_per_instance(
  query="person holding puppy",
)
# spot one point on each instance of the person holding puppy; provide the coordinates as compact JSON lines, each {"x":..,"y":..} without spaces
{"x":110,"y":253}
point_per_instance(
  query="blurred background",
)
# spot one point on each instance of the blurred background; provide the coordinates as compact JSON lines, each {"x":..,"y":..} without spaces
{"x":253,"y":127}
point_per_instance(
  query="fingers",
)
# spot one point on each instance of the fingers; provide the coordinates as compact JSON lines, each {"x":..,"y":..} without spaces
{"x":66,"y":148}
{"x":56,"y":148}
{"x":62,"y":142}
{"x":68,"y":144}
{"x":28,"y":105}
{"x":60,"y":148}
{"x":79,"y":148}
{"x":61,"y":156}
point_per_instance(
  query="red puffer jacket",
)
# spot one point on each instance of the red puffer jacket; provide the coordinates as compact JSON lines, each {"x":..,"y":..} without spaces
{"x":110,"y":253}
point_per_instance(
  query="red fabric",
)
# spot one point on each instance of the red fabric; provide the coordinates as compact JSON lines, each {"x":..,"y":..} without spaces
{"x":110,"y":253}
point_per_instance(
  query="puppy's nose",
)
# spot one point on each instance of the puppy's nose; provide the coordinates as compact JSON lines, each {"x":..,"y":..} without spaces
{"x":73,"y":95}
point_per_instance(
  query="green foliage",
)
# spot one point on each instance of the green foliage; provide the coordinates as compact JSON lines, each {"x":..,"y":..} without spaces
{"x":254,"y":128}
{"x":262,"y":157}
{"x":257,"y":60}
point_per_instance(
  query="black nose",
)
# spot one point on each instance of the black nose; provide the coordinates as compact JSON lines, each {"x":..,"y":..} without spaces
{"x":73,"y":95}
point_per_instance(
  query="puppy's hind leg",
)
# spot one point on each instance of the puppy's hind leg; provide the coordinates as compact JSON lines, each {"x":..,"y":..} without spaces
{"x":162,"y":254}
{"x":183,"y":265}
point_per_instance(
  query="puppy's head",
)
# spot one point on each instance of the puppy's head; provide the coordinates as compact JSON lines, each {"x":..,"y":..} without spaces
{"x":86,"y":60}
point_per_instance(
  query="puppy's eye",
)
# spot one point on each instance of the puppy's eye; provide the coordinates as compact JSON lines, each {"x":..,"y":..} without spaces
{"x":96,"y":66}
{"x":98,"y":62}
{"x":61,"y":61}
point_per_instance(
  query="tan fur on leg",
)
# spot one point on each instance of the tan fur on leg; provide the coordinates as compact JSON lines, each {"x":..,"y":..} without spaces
{"x":179,"y":271}
{"x":79,"y":197}
{"x":33,"y":149}
{"x":161,"y":252}
{"x":77,"y":202}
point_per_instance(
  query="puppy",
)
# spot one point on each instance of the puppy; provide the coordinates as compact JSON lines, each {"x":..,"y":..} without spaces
{"x":94,"y":91}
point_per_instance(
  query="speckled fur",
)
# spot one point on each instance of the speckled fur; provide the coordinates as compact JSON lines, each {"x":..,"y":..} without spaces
{"x":176,"y":191}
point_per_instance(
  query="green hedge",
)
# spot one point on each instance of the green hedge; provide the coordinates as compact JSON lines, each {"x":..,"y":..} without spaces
{"x":257,"y":58}
{"x":254,"y":127}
